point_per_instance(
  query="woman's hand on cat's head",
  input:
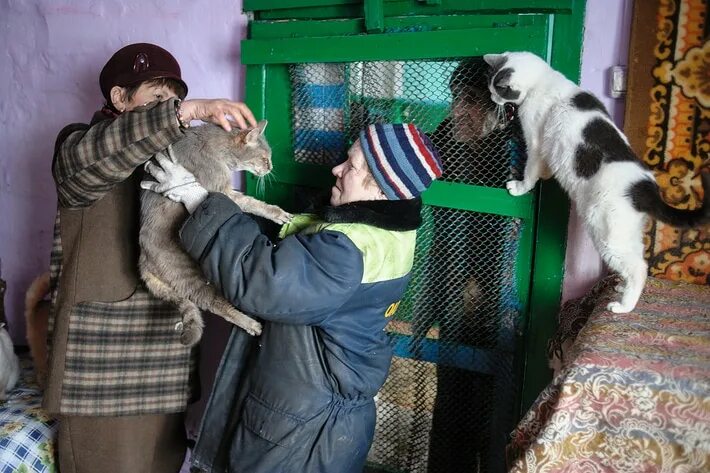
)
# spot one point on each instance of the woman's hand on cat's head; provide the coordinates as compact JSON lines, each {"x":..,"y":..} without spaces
{"x":221,"y":112}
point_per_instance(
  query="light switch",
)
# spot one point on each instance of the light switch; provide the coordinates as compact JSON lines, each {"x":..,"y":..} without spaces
{"x":617,"y":81}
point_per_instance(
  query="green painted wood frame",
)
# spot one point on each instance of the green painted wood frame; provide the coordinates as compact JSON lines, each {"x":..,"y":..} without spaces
{"x":312,"y":9}
{"x":273,"y":45}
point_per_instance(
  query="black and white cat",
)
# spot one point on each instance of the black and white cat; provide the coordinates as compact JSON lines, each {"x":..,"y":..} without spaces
{"x":570,"y":136}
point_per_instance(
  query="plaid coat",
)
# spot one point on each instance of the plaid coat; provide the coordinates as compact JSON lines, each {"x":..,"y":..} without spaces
{"x":114,"y":348}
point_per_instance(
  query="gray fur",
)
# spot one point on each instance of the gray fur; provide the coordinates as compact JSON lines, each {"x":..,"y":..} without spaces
{"x":211,"y":154}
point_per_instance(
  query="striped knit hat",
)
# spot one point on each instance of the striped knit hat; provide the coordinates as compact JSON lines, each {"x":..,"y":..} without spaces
{"x":401,"y":158}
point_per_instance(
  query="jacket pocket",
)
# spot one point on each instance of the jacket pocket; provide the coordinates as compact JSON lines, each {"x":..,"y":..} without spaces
{"x":269,"y":441}
{"x":275,"y":426}
{"x":125,"y":358}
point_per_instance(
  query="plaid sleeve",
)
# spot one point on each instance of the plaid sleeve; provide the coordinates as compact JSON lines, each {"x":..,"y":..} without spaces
{"x":90,"y":162}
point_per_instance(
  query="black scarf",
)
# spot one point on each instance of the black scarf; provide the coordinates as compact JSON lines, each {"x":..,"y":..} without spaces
{"x":397,"y":215}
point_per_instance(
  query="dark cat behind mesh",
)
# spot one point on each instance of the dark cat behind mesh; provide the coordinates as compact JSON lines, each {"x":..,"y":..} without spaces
{"x":211,"y":154}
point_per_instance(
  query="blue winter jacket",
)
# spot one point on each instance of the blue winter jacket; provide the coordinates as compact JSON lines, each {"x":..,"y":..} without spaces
{"x":299,"y":398}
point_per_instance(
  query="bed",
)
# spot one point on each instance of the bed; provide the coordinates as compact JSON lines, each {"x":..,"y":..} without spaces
{"x":27,"y":433}
{"x":632,"y":391}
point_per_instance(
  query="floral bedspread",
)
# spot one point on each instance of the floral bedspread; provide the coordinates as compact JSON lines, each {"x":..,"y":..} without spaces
{"x":27,"y":433}
{"x":633,"y":394}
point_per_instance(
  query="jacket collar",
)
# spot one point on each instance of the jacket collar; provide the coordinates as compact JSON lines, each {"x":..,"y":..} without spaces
{"x":397,"y":215}
{"x":104,"y":114}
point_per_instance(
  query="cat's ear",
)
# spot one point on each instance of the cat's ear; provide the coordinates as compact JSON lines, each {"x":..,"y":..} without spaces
{"x":261,"y":126}
{"x":502,"y":79}
{"x":252,"y":136}
{"x":494,"y":60}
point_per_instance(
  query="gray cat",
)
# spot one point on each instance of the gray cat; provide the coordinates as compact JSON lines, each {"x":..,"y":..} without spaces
{"x":211,"y":154}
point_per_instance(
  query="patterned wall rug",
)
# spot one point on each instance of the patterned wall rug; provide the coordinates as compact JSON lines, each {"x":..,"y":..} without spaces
{"x":668,"y":124}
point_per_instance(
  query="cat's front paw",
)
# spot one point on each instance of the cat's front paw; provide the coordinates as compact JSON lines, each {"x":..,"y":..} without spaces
{"x":252,"y":327}
{"x":278,"y":215}
{"x":516,"y":188}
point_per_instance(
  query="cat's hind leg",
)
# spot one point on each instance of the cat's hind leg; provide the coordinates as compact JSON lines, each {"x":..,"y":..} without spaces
{"x":220,"y":306}
{"x":633,"y":271}
{"x":192,"y":325}
{"x":208,"y":298}
{"x":193,"y":285}
{"x":622,"y":250}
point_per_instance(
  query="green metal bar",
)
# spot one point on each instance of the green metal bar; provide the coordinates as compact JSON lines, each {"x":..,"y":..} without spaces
{"x":394,"y":46}
{"x":255,"y":99}
{"x":254,"y":5}
{"x":323,"y":12}
{"x":523,"y":270}
{"x":316,"y":28}
{"x":294,"y":29}
{"x":274,"y":91}
{"x":278,"y":107}
{"x":256,"y":90}
{"x":523,"y":266}
{"x":551,"y":227}
{"x":374,"y":16}
{"x":479,"y":199}
{"x":313,"y":9}
{"x":442,"y":194}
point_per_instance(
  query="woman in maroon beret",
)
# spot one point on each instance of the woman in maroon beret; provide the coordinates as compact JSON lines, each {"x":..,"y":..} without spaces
{"x":119,"y":378}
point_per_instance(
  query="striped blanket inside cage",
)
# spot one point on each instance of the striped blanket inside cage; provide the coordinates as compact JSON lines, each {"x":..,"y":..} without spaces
{"x":319,"y":99}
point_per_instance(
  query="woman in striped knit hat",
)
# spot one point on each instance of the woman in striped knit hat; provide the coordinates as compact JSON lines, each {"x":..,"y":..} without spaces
{"x":300,"y":397}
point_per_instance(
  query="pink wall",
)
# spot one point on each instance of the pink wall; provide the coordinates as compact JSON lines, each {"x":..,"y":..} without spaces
{"x":606,"y":44}
{"x":49,"y":72}
{"x":54,"y":52}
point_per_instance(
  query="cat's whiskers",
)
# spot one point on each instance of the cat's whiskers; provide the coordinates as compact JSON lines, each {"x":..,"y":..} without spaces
{"x":260,"y":187}
{"x":271,"y":176}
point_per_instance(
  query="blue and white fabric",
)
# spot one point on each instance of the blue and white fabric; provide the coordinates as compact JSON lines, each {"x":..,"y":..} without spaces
{"x":27,"y":433}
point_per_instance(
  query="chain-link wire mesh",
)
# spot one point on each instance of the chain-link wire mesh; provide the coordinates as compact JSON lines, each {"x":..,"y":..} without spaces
{"x":448,"y":403}
{"x":449,"y":100}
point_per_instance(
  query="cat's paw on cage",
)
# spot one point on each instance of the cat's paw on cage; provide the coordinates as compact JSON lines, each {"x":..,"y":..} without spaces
{"x":516,"y":188}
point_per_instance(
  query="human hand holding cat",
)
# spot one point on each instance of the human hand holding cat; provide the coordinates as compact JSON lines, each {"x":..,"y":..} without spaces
{"x":217,"y":111}
{"x":174,"y":181}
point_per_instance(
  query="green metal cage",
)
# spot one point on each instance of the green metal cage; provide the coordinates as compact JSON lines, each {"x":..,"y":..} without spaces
{"x":469,"y":336}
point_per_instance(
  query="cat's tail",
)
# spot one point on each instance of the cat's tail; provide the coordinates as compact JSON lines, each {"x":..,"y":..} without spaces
{"x":36,"y":293}
{"x":37,"y":320}
{"x":646,"y":197}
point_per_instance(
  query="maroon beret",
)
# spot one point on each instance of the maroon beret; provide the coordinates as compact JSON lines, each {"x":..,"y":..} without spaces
{"x":137,"y":63}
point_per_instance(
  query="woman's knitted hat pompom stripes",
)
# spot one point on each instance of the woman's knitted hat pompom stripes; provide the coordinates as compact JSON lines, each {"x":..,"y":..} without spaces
{"x":401,"y":158}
